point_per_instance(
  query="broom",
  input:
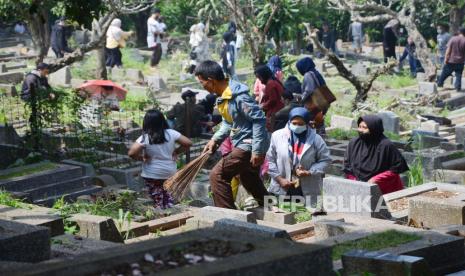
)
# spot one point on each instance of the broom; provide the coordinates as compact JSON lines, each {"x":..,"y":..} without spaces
{"x":178,"y":183}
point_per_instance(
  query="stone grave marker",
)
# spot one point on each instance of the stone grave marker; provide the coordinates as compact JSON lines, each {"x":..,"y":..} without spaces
{"x":11,"y":77}
{"x":434,"y":212}
{"x":247,"y":228}
{"x":155,"y":83}
{"x":43,"y":217}
{"x":118,"y":74}
{"x":97,"y":227}
{"x":21,"y":242}
{"x":460,"y":134}
{"x":391,"y":122}
{"x":3,"y":68}
{"x":427,"y":88}
{"x":61,"y":77}
{"x":343,"y":122}
{"x":10,"y":90}
{"x":430,"y":125}
{"x":354,"y":197}
{"x":134,"y":75}
{"x":69,"y":246}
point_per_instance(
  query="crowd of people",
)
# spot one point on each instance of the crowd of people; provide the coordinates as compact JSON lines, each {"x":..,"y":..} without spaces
{"x":271,"y":133}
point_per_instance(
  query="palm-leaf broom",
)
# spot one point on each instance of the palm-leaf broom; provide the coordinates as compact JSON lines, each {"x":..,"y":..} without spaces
{"x":178,"y":183}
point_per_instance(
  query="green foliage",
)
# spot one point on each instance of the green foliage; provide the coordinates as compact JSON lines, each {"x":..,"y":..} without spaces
{"x":8,"y":200}
{"x":392,"y":136}
{"x":301,"y":213}
{"x":342,"y":134}
{"x":415,"y":173}
{"x":390,"y":238}
{"x":124,"y":219}
{"x":397,"y":81}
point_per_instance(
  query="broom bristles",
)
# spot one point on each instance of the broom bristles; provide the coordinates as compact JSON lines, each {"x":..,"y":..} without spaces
{"x":178,"y":183}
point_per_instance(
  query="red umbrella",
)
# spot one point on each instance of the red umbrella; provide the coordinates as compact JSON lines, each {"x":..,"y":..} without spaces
{"x":103,"y":89}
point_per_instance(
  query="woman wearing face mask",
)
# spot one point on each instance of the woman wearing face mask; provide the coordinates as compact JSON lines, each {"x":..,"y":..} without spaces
{"x":373,"y":158}
{"x":297,"y":158}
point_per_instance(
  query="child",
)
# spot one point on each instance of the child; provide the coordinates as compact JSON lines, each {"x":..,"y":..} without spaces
{"x":156,"y":147}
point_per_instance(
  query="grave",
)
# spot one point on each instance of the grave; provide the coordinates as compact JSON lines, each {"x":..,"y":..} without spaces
{"x":427,"y":88}
{"x":97,"y":227}
{"x":460,"y":134}
{"x":240,"y":255}
{"x":391,"y":122}
{"x":347,"y":196}
{"x":128,"y":176}
{"x":155,"y":83}
{"x":430,"y":126}
{"x":206,"y":216}
{"x":432,"y":212}
{"x":61,"y":77}
{"x":342,"y":122}
{"x":38,"y":217}
{"x":359,"y":69}
{"x":9,"y":89}
{"x":275,"y":216}
{"x":134,"y":75}
{"x":21,"y":242}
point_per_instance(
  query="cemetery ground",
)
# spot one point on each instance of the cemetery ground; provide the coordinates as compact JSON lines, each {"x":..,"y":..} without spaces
{"x":78,"y":207}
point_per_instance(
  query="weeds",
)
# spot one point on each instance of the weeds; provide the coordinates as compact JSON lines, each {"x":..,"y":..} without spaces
{"x":342,"y":134}
{"x":415,"y":174}
{"x":8,"y":200}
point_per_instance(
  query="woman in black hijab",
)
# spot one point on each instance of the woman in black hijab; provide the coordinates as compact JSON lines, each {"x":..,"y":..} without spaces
{"x":373,"y":158}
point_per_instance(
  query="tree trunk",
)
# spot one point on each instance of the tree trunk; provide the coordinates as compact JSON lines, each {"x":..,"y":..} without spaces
{"x":140,"y":25}
{"x":39,"y":27}
{"x":101,"y":69}
{"x":456,"y":16}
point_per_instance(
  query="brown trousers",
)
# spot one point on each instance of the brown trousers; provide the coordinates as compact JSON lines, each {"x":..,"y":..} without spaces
{"x":233,"y":164}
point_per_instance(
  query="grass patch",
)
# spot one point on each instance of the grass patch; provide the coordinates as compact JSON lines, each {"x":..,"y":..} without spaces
{"x":45,"y":166}
{"x":397,"y":81}
{"x":342,"y":134}
{"x":393,"y":136}
{"x":374,"y":242}
{"x":8,"y":200}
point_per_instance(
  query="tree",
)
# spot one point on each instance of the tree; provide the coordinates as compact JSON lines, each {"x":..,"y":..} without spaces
{"x":404,"y":11}
{"x":363,"y":84}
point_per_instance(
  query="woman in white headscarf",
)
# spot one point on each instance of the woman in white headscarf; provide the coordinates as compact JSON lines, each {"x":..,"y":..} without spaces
{"x":116,"y":38}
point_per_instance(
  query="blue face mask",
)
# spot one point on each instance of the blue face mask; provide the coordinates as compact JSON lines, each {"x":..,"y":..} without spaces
{"x":297,"y":129}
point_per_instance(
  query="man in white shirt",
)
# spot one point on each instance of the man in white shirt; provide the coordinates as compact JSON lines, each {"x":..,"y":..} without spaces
{"x":154,"y":33}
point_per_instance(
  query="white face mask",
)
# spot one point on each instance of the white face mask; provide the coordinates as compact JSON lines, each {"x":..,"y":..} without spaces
{"x":297,"y":129}
{"x":439,"y":31}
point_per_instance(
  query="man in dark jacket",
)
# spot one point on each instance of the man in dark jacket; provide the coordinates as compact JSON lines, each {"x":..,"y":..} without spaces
{"x":35,"y":82}
{"x":58,"y":38}
{"x":187,"y":114}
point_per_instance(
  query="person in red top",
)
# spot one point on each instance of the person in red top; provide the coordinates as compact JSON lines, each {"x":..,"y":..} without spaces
{"x":373,"y":158}
{"x":272,"y":100}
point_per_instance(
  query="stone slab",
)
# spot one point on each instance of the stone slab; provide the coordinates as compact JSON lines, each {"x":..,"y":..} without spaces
{"x":61,"y":77}
{"x":391,"y":122}
{"x":169,"y":222}
{"x":427,"y":88}
{"x":11,"y":77}
{"x":21,"y":242}
{"x":69,"y":246}
{"x":44,"y":217}
{"x":9,"y":89}
{"x":381,"y":263}
{"x":342,"y":122}
{"x":460,"y":134}
{"x":433,"y":212}
{"x":247,"y":228}
{"x":210,"y":214}
{"x":134,"y":75}
{"x":97,"y":227}
{"x":347,"y":196}
{"x":135,"y":229}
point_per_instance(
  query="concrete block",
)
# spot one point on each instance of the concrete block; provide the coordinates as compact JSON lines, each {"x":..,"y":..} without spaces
{"x":70,"y":246}
{"x":359,"y":69}
{"x":11,"y":77}
{"x":9,"y":90}
{"x":3,"y":68}
{"x":454,"y":102}
{"x":97,"y":227}
{"x":280,"y":217}
{"x":429,"y":125}
{"x":427,"y":88}
{"x":434,"y":212}
{"x":118,"y":74}
{"x":450,"y":176}
{"x":134,"y":75}
{"x":155,"y":83}
{"x":460,"y":134}
{"x":391,"y":122}
{"x":342,"y":122}
{"x":168,"y":222}
{"x":247,"y":228}
{"x":211,"y":214}
{"x":21,"y":242}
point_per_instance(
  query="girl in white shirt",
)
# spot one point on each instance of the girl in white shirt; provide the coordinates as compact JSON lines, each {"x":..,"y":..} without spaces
{"x":156,"y":147}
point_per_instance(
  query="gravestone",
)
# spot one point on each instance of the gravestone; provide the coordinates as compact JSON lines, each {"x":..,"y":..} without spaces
{"x":11,"y":77}
{"x":359,"y":69}
{"x":460,"y":134}
{"x":211,"y":214}
{"x":81,"y":37}
{"x":354,"y":197}
{"x":391,"y":122}
{"x":246,"y":228}
{"x":118,"y":74}
{"x":155,"y":83}
{"x":3,"y":68}
{"x":427,"y":88}
{"x":342,"y":122}
{"x":61,"y":77}
{"x":21,"y":242}
{"x":429,"y":125}
{"x":9,"y":89}
{"x":97,"y":227}
{"x":134,"y":75}
{"x":357,"y":262}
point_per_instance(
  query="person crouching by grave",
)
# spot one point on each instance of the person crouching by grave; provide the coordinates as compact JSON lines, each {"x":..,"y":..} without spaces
{"x":414,"y":63}
{"x":187,"y":117}
{"x":228,"y":55}
{"x":312,"y":80}
{"x":297,"y":158}
{"x":244,"y":122}
{"x":373,"y":158}
{"x":116,"y":39}
{"x":58,"y":38}
{"x":272,"y":95}
{"x":156,"y":148}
